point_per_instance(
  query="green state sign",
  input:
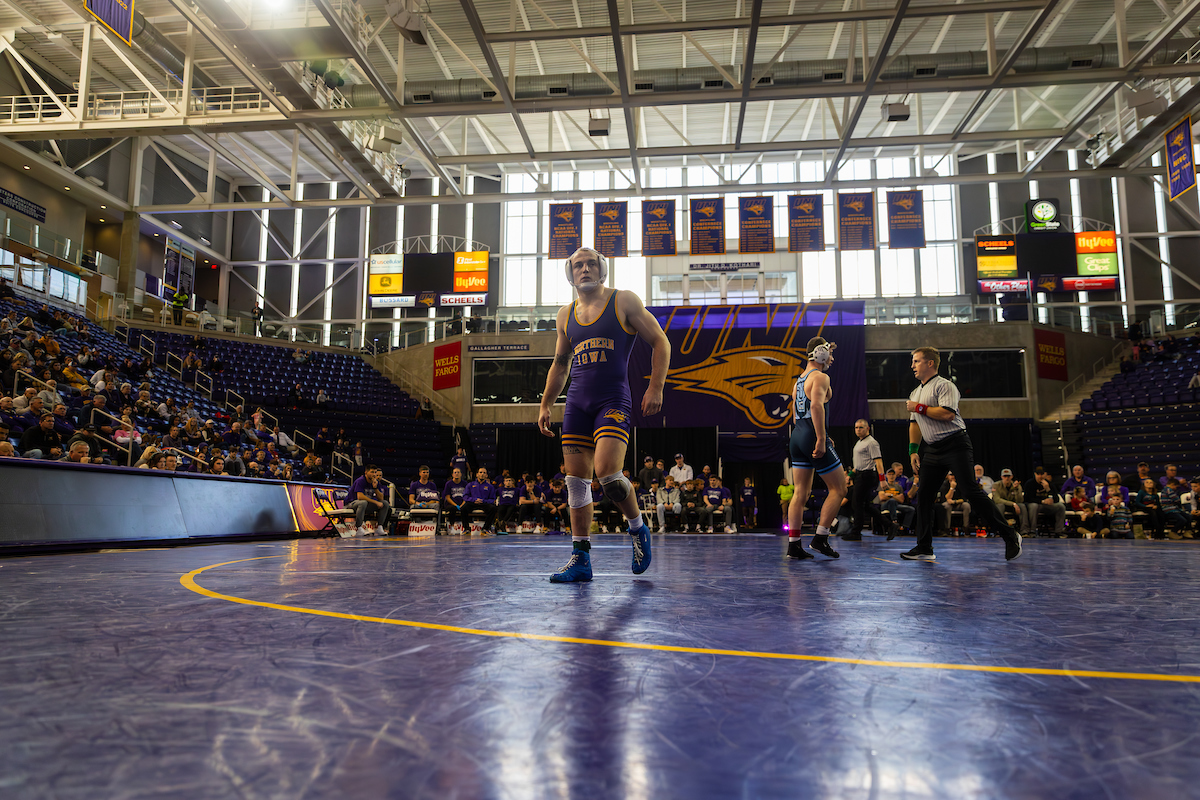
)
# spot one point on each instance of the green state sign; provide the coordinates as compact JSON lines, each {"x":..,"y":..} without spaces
{"x":1097,"y":263}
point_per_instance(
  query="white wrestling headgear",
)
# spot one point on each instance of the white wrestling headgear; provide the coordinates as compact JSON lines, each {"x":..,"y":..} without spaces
{"x":599,"y":259}
{"x":822,"y":354}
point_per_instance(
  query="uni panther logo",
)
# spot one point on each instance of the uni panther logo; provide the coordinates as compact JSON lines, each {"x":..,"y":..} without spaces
{"x":759,"y":379}
{"x":566,"y":215}
{"x":757,"y":208}
{"x":905,"y":202}
{"x":1049,"y":283}
{"x":658,"y":211}
{"x":617,"y":416}
{"x":856,"y":205}
{"x":807,"y":206}
{"x":427,"y":299}
{"x":1177,"y":139}
{"x":613,"y":213}
{"x":707,"y":210}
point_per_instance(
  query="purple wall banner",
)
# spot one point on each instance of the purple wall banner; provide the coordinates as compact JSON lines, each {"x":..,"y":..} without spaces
{"x":658,"y":227}
{"x":906,"y":220}
{"x":566,"y":229}
{"x":736,"y":366}
{"x":116,"y":15}
{"x":1181,"y":170}
{"x":707,"y":237}
{"x":612,"y":229}
{"x":756,"y":225}
{"x":806,"y":223}
{"x":856,"y":221}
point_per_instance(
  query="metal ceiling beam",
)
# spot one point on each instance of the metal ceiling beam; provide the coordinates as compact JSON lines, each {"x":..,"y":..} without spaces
{"x":604,"y":194}
{"x":498,"y":78}
{"x":361,"y":59}
{"x":748,"y":68}
{"x":1182,"y":14}
{"x":871,"y":78}
{"x":736,"y":23}
{"x":1010,"y":58}
{"x":614,"y":19}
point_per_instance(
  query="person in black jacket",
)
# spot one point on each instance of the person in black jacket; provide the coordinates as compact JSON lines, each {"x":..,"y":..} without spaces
{"x":1040,"y":498}
{"x":42,"y":441}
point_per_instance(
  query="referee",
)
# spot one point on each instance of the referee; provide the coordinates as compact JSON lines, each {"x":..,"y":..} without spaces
{"x":938,"y":443}
{"x":868,"y":471}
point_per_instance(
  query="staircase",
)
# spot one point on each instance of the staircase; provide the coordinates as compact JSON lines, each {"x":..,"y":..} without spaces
{"x":1062,"y":446}
{"x":1070,"y":407}
{"x":419,"y":390}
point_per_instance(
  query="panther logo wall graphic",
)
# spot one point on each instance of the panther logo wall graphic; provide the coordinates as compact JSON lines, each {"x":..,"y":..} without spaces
{"x":616,"y":415}
{"x":1050,"y":284}
{"x":757,"y":378}
{"x":658,"y":211}
{"x":611,"y":213}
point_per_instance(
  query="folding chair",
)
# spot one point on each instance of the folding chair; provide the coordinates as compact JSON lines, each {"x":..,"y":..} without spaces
{"x":328,"y":508}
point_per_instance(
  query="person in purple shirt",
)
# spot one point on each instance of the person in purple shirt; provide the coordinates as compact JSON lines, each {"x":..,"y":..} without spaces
{"x":1078,"y":479}
{"x":423,"y":493}
{"x":1172,"y":471}
{"x":453,"y":501}
{"x":507,"y":500}
{"x":530,"y":503}
{"x":749,"y":503}
{"x":1112,"y":485}
{"x":480,"y":495}
{"x":367,"y":492}
{"x":717,"y":499}
{"x":459,"y":461}
{"x":555,"y":510}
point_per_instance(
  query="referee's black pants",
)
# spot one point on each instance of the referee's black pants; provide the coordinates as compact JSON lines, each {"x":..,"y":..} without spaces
{"x":866,"y":486}
{"x":954,"y":454}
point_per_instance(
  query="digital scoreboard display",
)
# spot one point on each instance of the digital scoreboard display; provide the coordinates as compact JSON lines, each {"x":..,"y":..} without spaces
{"x":453,"y":279}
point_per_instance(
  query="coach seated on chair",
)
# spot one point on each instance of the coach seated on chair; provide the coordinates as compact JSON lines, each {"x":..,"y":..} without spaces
{"x":367,"y":496}
{"x":480,"y":495}
{"x":1009,"y":497}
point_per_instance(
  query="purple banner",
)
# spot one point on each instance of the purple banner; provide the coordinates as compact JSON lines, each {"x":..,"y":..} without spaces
{"x":116,"y":15}
{"x":736,"y":366}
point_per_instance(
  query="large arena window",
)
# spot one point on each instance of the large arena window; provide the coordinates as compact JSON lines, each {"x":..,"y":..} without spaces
{"x":978,"y":374}
{"x":508,"y":381}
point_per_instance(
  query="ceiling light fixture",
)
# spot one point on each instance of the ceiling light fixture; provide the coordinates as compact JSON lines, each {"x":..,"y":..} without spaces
{"x":176,"y":225}
{"x":26,"y":166}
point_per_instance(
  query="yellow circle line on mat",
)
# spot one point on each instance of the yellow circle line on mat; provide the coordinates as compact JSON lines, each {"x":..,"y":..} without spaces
{"x":189,"y":581}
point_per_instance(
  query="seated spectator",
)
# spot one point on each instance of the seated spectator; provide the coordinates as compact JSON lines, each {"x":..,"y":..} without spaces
{"x":690,"y":503}
{"x":190,"y":433}
{"x":287,"y":473}
{"x":717,"y":500}
{"x":891,"y":500}
{"x":313,"y":471}
{"x":507,"y":502}
{"x":1120,"y":519}
{"x":44,"y":315}
{"x":1089,"y":524}
{"x":217,"y":467}
{"x":235,"y":465}
{"x":984,"y":481}
{"x":423,"y":493}
{"x":167,"y":409}
{"x":50,"y":396}
{"x":284,"y":442}
{"x":127,"y":435}
{"x":480,"y":495}
{"x":9,"y":416}
{"x":42,"y":441}
{"x":322,"y":400}
{"x":1134,"y":482}
{"x":1080,"y":498}
{"x":1112,"y":485}
{"x":952,"y":501}
{"x":367,"y":492}
{"x":556,"y":510}
{"x":296,"y":397}
{"x":125,"y":397}
{"x":530,"y":503}
{"x":1191,"y":502}
{"x":21,"y":402}
{"x":209,"y":433}
{"x":170,"y":462}
{"x":453,"y":500}
{"x":72,"y":376}
{"x":151,"y":458}
{"x":6,"y":290}
{"x":1009,"y":496}
{"x":1079,"y":480}
{"x":174,"y":440}
{"x":87,"y":435}
{"x":234,"y":437}
{"x":78,"y":453}
{"x":667,"y":499}
{"x":33,"y":414}
{"x":1194,"y":383}
{"x":1169,"y":499}
{"x":7,"y":450}
{"x":1171,"y":473}
{"x":1041,"y":500}
{"x":1147,"y":502}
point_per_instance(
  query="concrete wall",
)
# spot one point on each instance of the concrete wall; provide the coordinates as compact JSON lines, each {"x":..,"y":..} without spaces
{"x":1042,"y":396}
{"x":64,"y":215}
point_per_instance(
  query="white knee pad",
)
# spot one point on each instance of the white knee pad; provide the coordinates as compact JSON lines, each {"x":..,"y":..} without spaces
{"x":579,"y":492}
{"x":616,"y":487}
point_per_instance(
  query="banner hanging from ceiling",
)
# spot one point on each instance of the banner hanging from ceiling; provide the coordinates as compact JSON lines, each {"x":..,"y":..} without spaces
{"x":1181,"y":169}
{"x":658,"y":227}
{"x":707,"y":235}
{"x":756,"y":225}
{"x":806,"y":223}
{"x":116,"y":15}
{"x":566,"y":229}
{"x":906,"y":220}
{"x":612,"y":229}
{"x":856,"y":221}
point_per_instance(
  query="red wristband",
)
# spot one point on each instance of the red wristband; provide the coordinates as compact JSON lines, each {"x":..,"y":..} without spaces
{"x":921,"y":408}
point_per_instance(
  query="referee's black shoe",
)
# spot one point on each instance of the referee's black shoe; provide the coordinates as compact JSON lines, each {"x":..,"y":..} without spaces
{"x":1012,"y":544}
{"x":917,"y":554}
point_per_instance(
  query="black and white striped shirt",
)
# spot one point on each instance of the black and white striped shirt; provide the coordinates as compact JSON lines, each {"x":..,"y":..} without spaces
{"x":937,"y":391}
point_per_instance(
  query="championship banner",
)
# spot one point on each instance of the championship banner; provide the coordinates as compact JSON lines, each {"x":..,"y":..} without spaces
{"x":736,"y":367}
{"x":707,"y":223}
{"x":170,"y":281}
{"x":612,"y":229}
{"x":116,"y":15}
{"x":1181,"y":170}
{"x":447,"y":366}
{"x":996,"y":257}
{"x":1096,"y":253}
{"x":856,"y":221}
{"x":187,"y":269}
{"x":756,"y":225}
{"x":806,"y":223}
{"x":906,"y":220}
{"x":566,"y":229}
{"x":658,"y":227}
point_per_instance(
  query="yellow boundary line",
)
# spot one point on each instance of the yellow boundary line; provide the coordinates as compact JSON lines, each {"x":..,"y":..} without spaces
{"x":188,"y":580}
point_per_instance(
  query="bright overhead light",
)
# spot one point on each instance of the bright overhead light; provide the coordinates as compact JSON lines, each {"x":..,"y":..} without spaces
{"x":26,"y":166}
{"x":156,"y":234}
{"x":176,"y":225}
{"x":102,"y":220}
{"x":103,"y":206}
{"x":66,"y":188}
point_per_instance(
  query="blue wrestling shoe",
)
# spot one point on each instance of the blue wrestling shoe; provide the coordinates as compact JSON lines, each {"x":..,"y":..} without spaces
{"x":641,"y":549}
{"x":578,"y":569}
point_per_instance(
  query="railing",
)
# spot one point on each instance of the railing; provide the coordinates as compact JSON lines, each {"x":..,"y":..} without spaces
{"x":33,"y":235}
{"x":241,"y":400}
{"x":113,"y":441}
{"x":148,"y":347}
{"x":175,"y":367}
{"x":264,"y":414}
{"x":312,"y":443}
{"x":337,"y":469}
{"x":185,"y":454}
{"x":134,"y":105}
{"x":201,"y":377}
{"x":1081,"y":379}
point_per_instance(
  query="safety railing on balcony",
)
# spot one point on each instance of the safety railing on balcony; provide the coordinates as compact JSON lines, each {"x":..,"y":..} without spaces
{"x":115,"y":106}
{"x":38,"y":238}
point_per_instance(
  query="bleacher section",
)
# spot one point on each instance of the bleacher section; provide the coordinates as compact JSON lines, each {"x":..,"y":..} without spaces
{"x":1118,"y":439}
{"x":1160,"y":380}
